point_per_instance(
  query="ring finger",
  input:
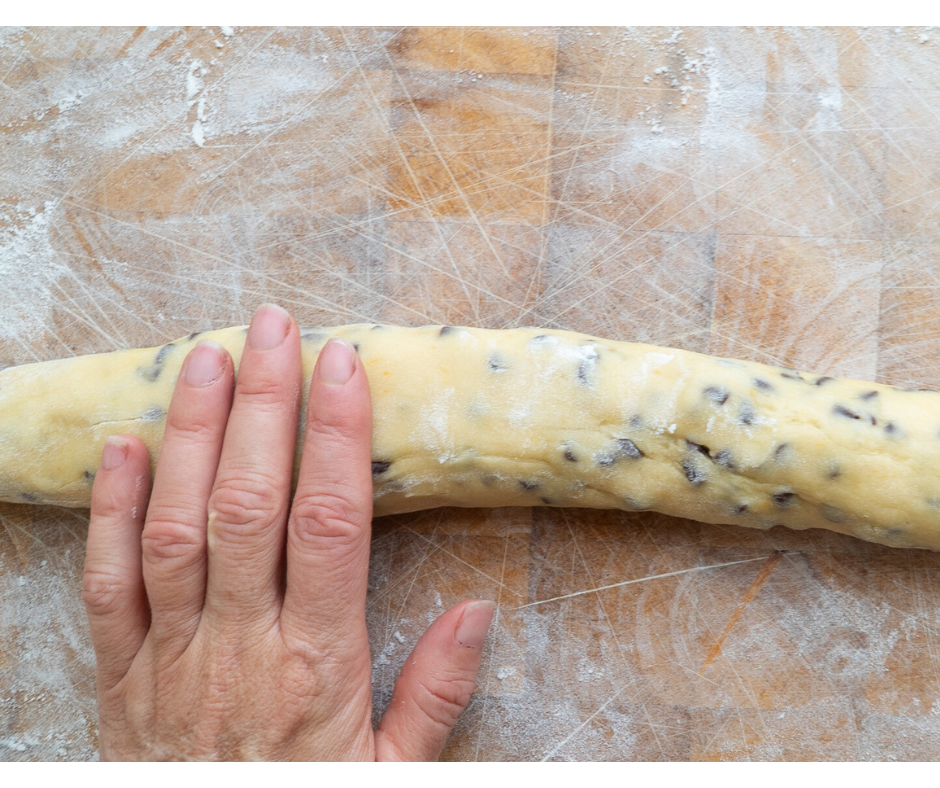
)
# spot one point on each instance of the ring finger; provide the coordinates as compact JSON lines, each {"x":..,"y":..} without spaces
{"x":174,"y":535}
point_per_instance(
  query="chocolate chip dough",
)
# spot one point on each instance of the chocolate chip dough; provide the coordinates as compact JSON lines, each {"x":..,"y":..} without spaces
{"x":532,"y":417}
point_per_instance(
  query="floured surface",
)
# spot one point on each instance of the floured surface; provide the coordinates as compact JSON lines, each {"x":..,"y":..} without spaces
{"x":757,"y":194}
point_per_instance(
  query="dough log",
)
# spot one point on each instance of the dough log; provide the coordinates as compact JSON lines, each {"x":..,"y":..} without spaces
{"x":530,"y":417}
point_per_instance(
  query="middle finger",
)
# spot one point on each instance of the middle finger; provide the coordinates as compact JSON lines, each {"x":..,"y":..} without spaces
{"x":250,"y":500}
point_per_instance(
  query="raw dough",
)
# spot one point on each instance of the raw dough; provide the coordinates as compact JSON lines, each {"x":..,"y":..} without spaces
{"x":530,"y":417}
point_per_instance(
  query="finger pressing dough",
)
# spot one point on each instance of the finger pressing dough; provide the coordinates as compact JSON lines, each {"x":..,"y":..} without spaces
{"x":531,"y":417}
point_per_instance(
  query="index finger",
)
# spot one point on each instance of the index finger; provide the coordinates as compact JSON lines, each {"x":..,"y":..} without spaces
{"x":330,"y":523}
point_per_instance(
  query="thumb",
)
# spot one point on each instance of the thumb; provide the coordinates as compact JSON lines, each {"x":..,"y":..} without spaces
{"x":435,"y":685}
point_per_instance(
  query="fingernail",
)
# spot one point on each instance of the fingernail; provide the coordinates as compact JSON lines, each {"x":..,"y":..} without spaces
{"x":206,"y":363}
{"x":475,"y":623}
{"x":268,"y":327}
{"x":115,"y":452}
{"x":337,"y":362}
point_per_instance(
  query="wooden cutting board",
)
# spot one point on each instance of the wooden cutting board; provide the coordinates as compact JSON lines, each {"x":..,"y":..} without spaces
{"x":764,"y":194}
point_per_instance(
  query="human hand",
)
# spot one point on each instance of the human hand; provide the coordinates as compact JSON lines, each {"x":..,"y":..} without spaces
{"x":228,"y":621}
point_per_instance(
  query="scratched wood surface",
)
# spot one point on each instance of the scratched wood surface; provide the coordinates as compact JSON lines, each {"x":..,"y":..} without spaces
{"x":764,"y":194}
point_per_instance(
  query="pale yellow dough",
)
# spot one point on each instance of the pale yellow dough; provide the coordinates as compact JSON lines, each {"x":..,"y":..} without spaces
{"x":529,"y":417}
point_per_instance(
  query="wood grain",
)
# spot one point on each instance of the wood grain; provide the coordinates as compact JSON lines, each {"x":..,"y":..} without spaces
{"x":763,"y":193}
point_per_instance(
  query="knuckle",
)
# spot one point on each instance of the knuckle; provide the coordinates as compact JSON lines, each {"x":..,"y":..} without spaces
{"x":191,"y":428}
{"x":104,"y":591}
{"x":184,"y":506}
{"x":313,"y":659}
{"x":330,"y":517}
{"x":170,"y":540}
{"x":304,"y":669}
{"x":442,"y":700}
{"x":246,"y":499}
{"x":333,"y":427}
{"x":109,"y":504}
{"x":268,"y":391}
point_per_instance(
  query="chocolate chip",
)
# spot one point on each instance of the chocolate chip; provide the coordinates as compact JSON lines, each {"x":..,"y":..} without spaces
{"x":792,"y":375}
{"x":150,"y":374}
{"x":546,"y":501}
{"x":153,"y":414}
{"x":833,"y":514}
{"x":162,"y":353}
{"x":583,"y":373}
{"x":747,"y":415}
{"x":868,"y":395}
{"x":636,"y":421}
{"x":784,"y":499}
{"x":586,"y":367}
{"x":841,"y":410}
{"x":496,"y":363}
{"x":762,"y":384}
{"x":569,"y":455}
{"x":445,"y":330}
{"x":716,"y":394}
{"x":29,"y":497}
{"x":834,"y":471}
{"x":891,"y":428}
{"x":741,"y":508}
{"x":624,"y":448}
{"x":780,"y":451}
{"x":629,"y":449}
{"x":196,"y":334}
{"x":88,"y":476}
{"x":695,"y":475}
{"x":725,"y":459}
{"x":527,"y":485}
{"x":823,"y":380}
{"x":379,"y":467}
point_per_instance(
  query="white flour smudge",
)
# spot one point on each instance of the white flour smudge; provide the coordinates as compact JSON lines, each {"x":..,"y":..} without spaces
{"x":29,"y":268}
{"x":195,"y":85}
{"x":42,"y":618}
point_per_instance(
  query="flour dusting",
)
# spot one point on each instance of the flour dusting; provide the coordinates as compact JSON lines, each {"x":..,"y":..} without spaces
{"x":29,"y":270}
{"x":160,"y":181}
{"x":49,"y":689}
